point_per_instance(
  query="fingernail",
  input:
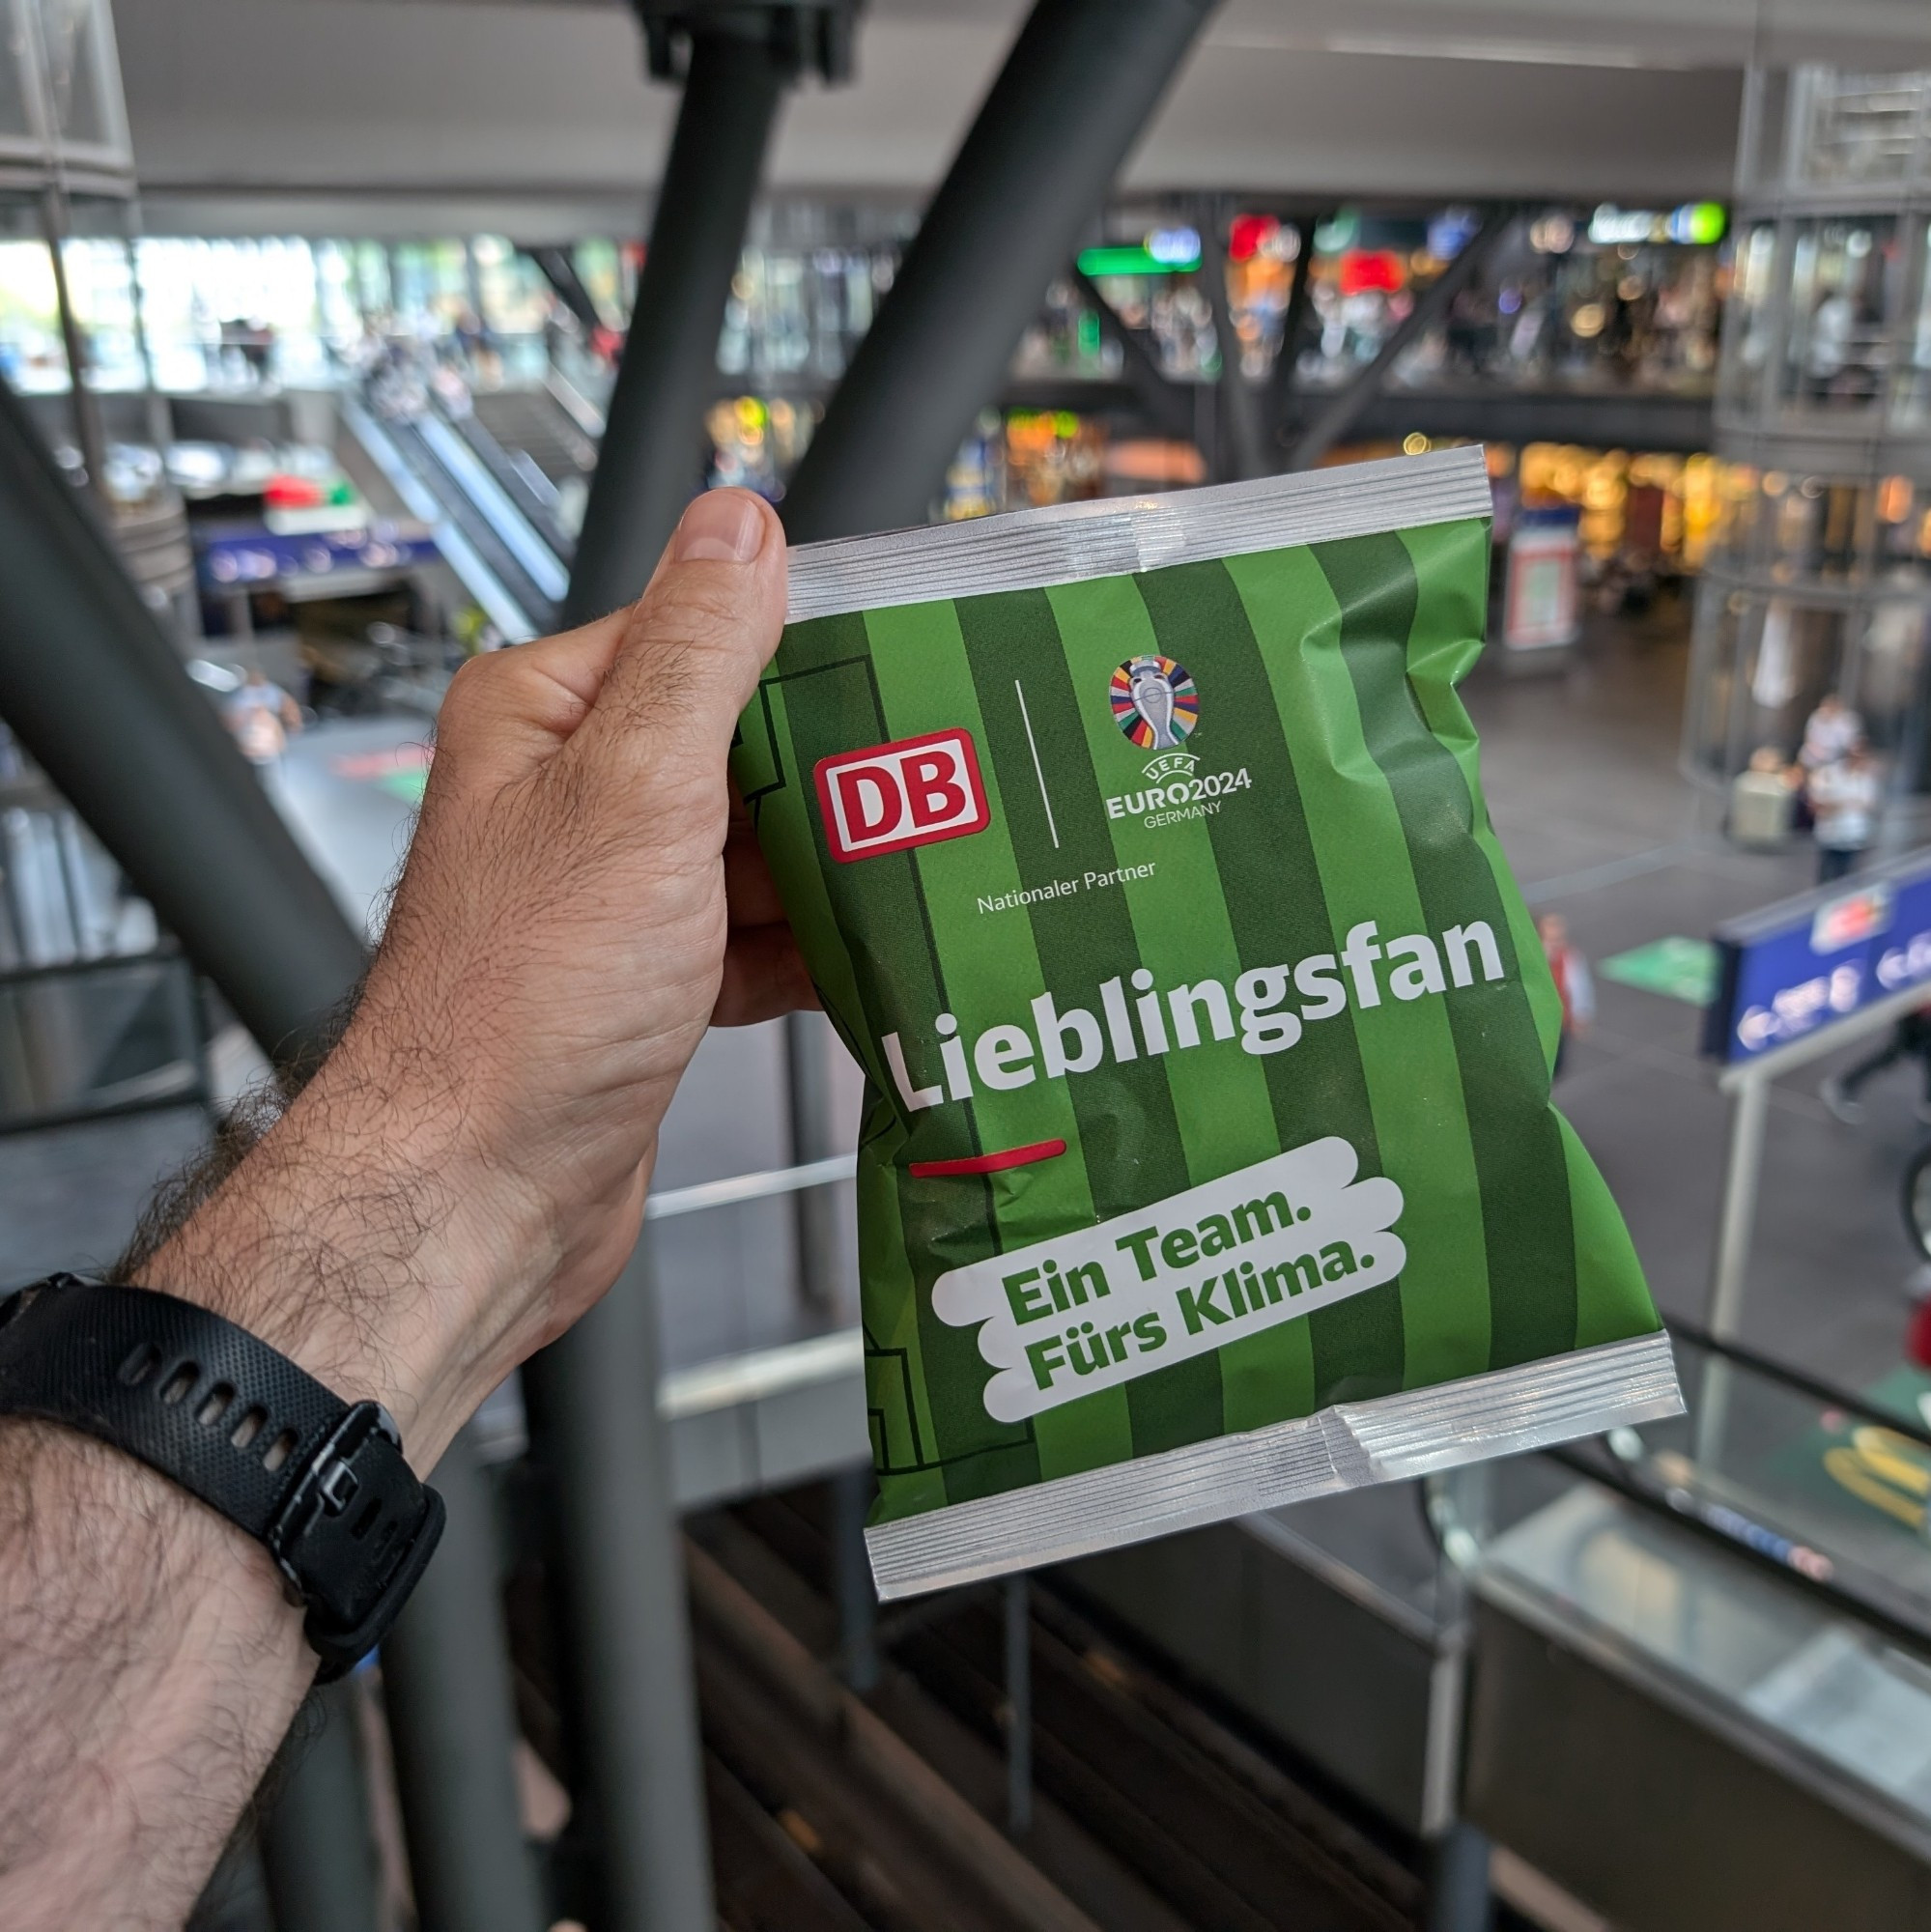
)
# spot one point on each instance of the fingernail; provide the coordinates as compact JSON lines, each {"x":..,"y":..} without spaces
{"x":721,"y":527}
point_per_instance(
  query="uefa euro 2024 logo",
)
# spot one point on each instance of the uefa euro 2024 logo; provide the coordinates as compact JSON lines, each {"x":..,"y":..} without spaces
{"x":1157,"y":705}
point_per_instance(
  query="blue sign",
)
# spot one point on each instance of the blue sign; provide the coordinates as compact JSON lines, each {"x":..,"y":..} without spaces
{"x":1807,"y":962}
{"x":250,"y":557}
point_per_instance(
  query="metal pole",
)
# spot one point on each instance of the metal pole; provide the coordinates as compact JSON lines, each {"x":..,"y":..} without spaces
{"x":318,"y":1852}
{"x":1239,"y":443}
{"x":631,"y":1715}
{"x":1742,"y":1167}
{"x":98,"y":695}
{"x":446,"y":1684}
{"x":1459,"y":1896}
{"x":1294,"y":329}
{"x":808,"y":1070}
{"x":559,"y":270}
{"x":1018,"y":1707}
{"x":649,"y":466}
{"x":1736,"y":1219}
{"x":852,"y":1490}
{"x":86,"y":405}
{"x":1340,"y":414}
{"x":625,"y":1641}
{"x":1075,"y":91}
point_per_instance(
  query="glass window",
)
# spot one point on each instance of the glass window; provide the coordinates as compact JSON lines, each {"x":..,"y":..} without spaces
{"x":1844,"y":290}
{"x":71,"y":38}
{"x":1859,"y":127}
{"x":32,"y":357}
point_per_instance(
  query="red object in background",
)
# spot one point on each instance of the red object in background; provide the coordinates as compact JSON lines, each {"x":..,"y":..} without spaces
{"x":1918,"y":1336}
{"x":1247,"y":234}
{"x":1365,"y":269}
{"x":292,"y":492}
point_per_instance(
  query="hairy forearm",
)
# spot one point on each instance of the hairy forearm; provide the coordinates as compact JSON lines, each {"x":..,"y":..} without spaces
{"x":150,"y":1662}
{"x":149,"y":1666}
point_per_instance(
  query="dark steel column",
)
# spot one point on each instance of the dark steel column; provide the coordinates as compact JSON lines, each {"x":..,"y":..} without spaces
{"x":651,"y":462}
{"x":559,"y":270}
{"x":1337,"y":417}
{"x":1240,"y":438}
{"x":318,"y":1850}
{"x":624,"y":1640}
{"x":1074,"y":93}
{"x":99,"y":697}
{"x":446,"y":1684}
{"x":1167,"y":406}
{"x":1294,"y":339}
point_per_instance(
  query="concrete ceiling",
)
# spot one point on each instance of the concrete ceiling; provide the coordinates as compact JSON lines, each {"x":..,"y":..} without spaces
{"x":534,"y":115}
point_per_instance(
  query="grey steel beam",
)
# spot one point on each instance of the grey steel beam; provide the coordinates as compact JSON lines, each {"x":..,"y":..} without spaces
{"x":624,"y":1640}
{"x":446,"y":1684}
{"x":559,"y":270}
{"x":650,"y":462}
{"x":624,"y":1643}
{"x":1338,"y":415}
{"x":1294,"y":334}
{"x":1240,"y":453}
{"x":1167,"y":405}
{"x":1074,"y":93}
{"x":318,"y":1848}
{"x":99,"y":698}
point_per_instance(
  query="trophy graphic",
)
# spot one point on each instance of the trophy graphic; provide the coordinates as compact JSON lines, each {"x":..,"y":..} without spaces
{"x":1153,"y":694}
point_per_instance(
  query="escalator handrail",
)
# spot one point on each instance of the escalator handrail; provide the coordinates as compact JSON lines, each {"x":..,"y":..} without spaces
{"x":1663,"y":1501}
{"x":1803,"y":1385}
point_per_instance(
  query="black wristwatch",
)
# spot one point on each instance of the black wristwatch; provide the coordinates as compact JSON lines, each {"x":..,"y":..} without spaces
{"x":322,"y":1482}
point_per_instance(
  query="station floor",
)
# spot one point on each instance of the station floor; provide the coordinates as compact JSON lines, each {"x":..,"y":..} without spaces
{"x":1579,"y":761}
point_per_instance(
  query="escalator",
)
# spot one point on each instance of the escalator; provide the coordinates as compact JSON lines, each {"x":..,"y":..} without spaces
{"x":448,"y":476}
{"x":540,"y":454}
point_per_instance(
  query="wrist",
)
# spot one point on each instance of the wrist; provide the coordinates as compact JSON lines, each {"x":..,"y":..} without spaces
{"x":379,"y":1257}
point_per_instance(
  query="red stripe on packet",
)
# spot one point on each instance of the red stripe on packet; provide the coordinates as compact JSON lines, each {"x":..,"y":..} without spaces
{"x":986,"y":1163}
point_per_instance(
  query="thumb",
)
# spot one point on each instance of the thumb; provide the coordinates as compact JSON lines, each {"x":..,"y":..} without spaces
{"x":695,"y":641}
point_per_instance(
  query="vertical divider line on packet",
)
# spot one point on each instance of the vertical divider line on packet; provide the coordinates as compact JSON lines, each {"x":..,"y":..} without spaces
{"x":1138,"y":851}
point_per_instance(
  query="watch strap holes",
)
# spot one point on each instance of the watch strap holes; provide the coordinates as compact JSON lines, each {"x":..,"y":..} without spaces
{"x":178,"y":1384}
{"x":254,"y":1419}
{"x":279,"y":1450}
{"x":215,"y":1407}
{"x":143,"y":1359}
{"x":366,"y":1521}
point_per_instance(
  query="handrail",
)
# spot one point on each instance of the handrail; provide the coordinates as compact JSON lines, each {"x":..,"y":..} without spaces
{"x":761,"y":1186}
{"x":1803,"y":1385}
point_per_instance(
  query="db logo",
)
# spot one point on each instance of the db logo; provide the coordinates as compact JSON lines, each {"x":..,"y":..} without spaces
{"x":915,"y":792}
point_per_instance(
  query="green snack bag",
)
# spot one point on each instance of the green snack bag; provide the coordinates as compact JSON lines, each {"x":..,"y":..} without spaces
{"x":1138,"y":851}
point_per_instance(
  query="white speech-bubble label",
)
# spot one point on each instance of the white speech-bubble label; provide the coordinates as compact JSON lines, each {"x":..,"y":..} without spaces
{"x":1097,"y":1307}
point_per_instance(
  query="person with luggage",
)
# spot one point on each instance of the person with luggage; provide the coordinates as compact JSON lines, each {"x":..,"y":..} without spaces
{"x":1844,"y":800}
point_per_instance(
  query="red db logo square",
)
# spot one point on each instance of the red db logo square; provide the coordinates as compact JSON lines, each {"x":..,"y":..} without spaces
{"x":915,"y":792}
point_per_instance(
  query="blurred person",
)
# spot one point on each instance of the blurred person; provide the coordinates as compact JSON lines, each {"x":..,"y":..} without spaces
{"x":1910,"y":1039}
{"x":262,"y":716}
{"x":459,"y":1180}
{"x":1829,"y":732}
{"x":1574,"y":983}
{"x":1844,"y":798}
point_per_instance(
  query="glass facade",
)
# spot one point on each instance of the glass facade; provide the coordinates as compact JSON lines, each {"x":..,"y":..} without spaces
{"x":1819,"y":573}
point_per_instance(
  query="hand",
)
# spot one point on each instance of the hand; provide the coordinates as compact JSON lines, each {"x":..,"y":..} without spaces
{"x":465,"y":1174}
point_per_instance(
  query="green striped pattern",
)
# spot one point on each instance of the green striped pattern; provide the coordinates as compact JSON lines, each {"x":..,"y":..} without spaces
{"x":1327,"y":674}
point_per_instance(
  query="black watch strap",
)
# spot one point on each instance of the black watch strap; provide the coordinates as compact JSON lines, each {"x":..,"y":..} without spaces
{"x":321,"y":1481}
